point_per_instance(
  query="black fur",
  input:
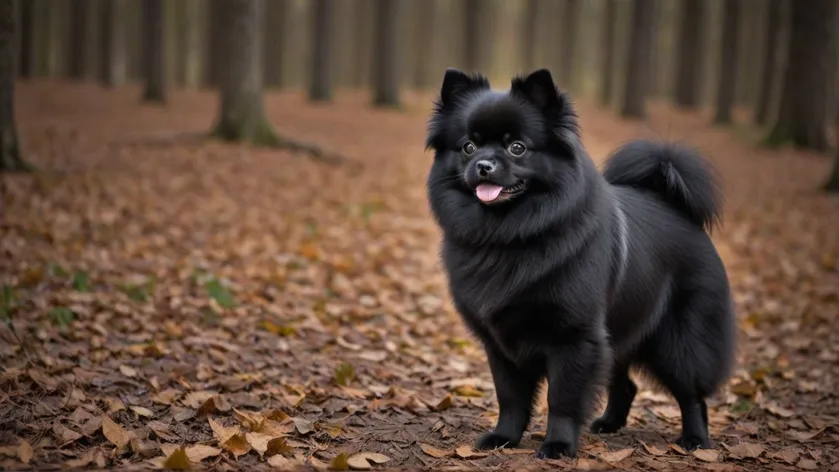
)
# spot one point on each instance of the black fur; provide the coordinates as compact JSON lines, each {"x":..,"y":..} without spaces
{"x":579,"y":276}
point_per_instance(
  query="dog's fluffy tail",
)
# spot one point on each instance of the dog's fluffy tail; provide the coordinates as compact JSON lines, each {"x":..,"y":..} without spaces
{"x":678,"y":174}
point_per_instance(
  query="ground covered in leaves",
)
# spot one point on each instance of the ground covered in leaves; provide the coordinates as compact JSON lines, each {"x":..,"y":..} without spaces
{"x":171,"y":302}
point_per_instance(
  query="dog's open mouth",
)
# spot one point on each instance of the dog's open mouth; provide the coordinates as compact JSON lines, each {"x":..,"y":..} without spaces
{"x":492,"y":193}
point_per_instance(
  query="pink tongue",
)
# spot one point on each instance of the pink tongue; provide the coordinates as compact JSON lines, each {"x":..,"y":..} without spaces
{"x":488,"y":192}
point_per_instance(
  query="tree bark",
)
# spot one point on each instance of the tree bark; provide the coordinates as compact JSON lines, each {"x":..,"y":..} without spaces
{"x":10,"y":158}
{"x":424,"y":29}
{"x":689,"y":53}
{"x":77,"y":44}
{"x":275,"y":16}
{"x":113,"y":62}
{"x":806,"y":103}
{"x":568,"y":43}
{"x":386,"y":78}
{"x":212,"y":61}
{"x":242,"y":115}
{"x":729,"y":52}
{"x":770,"y":62}
{"x":26,"y":54}
{"x":607,"y":51}
{"x":192,"y":38}
{"x":320,"y":88}
{"x":153,"y":39}
{"x":472,"y":48}
{"x":530,"y":34}
{"x":638,"y":62}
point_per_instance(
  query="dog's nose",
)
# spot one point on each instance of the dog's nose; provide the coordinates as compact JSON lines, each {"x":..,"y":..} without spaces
{"x":485,"y":167}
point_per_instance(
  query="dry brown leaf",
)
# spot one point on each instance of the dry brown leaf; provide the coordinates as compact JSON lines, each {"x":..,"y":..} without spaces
{"x":807,"y":464}
{"x":613,"y":457}
{"x":445,"y":403}
{"x":236,"y":445}
{"x":128,"y":371}
{"x":514,"y":451}
{"x":654,"y":450}
{"x":706,"y":455}
{"x":222,"y":433}
{"x":145,"y":412}
{"x":177,"y":460}
{"x":25,"y":452}
{"x":466,"y":452}
{"x":787,"y":455}
{"x":802,"y":436}
{"x":284,"y":463}
{"x":434,"y":452}
{"x":114,"y":405}
{"x":259,"y":442}
{"x":166,"y":397}
{"x":468,"y":391}
{"x":115,"y":433}
{"x":677,"y":448}
{"x":745,"y":450}
{"x":303,"y":426}
{"x":199,"y":452}
{"x":63,"y":434}
{"x":366,"y":460}
{"x":779,"y":411}
{"x":250,"y":420}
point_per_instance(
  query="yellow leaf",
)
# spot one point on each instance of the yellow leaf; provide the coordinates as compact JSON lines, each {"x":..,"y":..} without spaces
{"x":259,"y":442}
{"x":445,"y":403}
{"x":115,"y":433}
{"x":309,"y":250}
{"x":24,"y":452}
{"x":221,"y":432}
{"x":236,"y":445}
{"x":339,"y":462}
{"x":468,"y":391}
{"x":280,"y":330}
{"x":344,"y":373}
{"x":363,"y":460}
{"x":177,"y":460}
{"x":278,"y":446}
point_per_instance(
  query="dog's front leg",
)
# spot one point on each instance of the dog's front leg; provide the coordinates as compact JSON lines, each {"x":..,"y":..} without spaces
{"x":574,"y":369}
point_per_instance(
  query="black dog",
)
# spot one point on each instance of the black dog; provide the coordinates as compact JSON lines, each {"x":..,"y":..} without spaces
{"x":570,"y":274}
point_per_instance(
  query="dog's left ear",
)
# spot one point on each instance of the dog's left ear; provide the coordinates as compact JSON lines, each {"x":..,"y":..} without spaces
{"x":539,"y":89}
{"x":457,"y":83}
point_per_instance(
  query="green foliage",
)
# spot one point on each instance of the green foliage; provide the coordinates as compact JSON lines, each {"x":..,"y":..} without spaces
{"x":8,"y":302}
{"x":141,"y":292}
{"x":344,"y":374}
{"x":62,"y":316}
{"x":81,"y":281}
{"x":218,"y":292}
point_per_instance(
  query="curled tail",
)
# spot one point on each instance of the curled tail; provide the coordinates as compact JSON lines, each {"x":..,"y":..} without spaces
{"x":679,"y":175}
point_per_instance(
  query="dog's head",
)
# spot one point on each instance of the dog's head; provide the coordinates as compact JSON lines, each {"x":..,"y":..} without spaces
{"x":498,"y":154}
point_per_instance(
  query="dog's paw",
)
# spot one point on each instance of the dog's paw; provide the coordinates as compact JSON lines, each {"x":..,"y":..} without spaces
{"x":691,"y":442}
{"x":604,"y":425}
{"x":491,"y":440}
{"x":556,"y":450}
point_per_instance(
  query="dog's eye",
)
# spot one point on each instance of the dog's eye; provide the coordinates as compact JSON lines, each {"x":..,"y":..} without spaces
{"x":517,"y":148}
{"x":469,"y":148}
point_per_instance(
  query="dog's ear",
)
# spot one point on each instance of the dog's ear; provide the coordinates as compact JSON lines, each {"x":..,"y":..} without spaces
{"x":456,"y":83}
{"x":539,"y":89}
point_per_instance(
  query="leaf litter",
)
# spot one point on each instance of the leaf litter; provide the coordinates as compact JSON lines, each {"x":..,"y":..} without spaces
{"x":195,"y":305}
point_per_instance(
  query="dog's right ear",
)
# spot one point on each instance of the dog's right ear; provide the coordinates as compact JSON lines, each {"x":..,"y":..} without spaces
{"x":456,"y":83}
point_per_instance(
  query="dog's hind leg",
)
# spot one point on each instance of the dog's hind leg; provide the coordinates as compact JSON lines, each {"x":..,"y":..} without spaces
{"x":622,"y":392}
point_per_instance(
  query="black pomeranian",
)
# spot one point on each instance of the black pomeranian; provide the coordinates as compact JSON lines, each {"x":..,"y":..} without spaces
{"x":573,"y":275}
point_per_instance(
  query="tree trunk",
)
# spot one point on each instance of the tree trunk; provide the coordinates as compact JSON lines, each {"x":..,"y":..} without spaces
{"x":530,"y":34}
{"x":806,"y":103}
{"x":323,"y":37}
{"x":832,"y":184}
{"x":424,"y":29}
{"x":153,"y":37}
{"x":10,"y":159}
{"x":689,"y":53}
{"x":242,"y":113}
{"x":638,"y":62}
{"x":212,"y":61}
{"x":607,"y":51}
{"x":472,"y":34}
{"x":26,"y":64}
{"x":770,"y":62}
{"x":192,"y":39}
{"x":568,"y":43}
{"x":275,"y":16}
{"x":729,"y":50}
{"x":77,"y":44}
{"x":113,"y":64}
{"x":386,"y":78}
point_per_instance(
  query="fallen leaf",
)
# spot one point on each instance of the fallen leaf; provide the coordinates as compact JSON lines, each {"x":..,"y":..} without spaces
{"x":445,"y":403}
{"x":468,"y":391}
{"x":745,"y":450}
{"x":303,"y":426}
{"x":278,"y":446}
{"x":127,"y":371}
{"x":434,"y":452}
{"x":465,"y":452}
{"x":115,"y":433}
{"x":339,"y":462}
{"x":177,"y":460}
{"x":706,"y":455}
{"x":221,"y":432}
{"x":366,"y":460}
{"x":259,"y":442}
{"x":779,"y":411}
{"x":654,"y":450}
{"x":64,"y":435}
{"x":236,"y":445}
{"x":802,"y":436}
{"x":284,"y":463}
{"x":142,"y":411}
{"x":678,"y":449}
{"x":613,"y":457}
{"x":250,"y":420}
{"x":25,"y":452}
{"x":114,"y":405}
{"x":807,"y":464}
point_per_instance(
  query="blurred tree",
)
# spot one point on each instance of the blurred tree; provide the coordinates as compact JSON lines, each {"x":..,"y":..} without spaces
{"x":770,"y":62}
{"x":638,"y":62}
{"x":323,"y":38}
{"x":212,"y":60}
{"x":242,"y":116}
{"x":153,"y":52}
{"x":26,"y":54}
{"x":568,"y":31}
{"x":689,"y":53}
{"x":607,"y":51}
{"x":77,"y":44}
{"x":425,"y":26}
{"x":386,"y":77}
{"x":832,"y":184}
{"x":190,"y":39}
{"x":530,"y":34}
{"x":729,"y":50}
{"x":112,"y":42}
{"x":806,"y":105}
{"x":10,"y":159}
{"x":276,"y":12}
{"x":472,"y":47}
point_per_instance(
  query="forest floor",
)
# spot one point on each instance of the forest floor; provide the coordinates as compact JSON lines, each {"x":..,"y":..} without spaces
{"x":263,"y":309}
